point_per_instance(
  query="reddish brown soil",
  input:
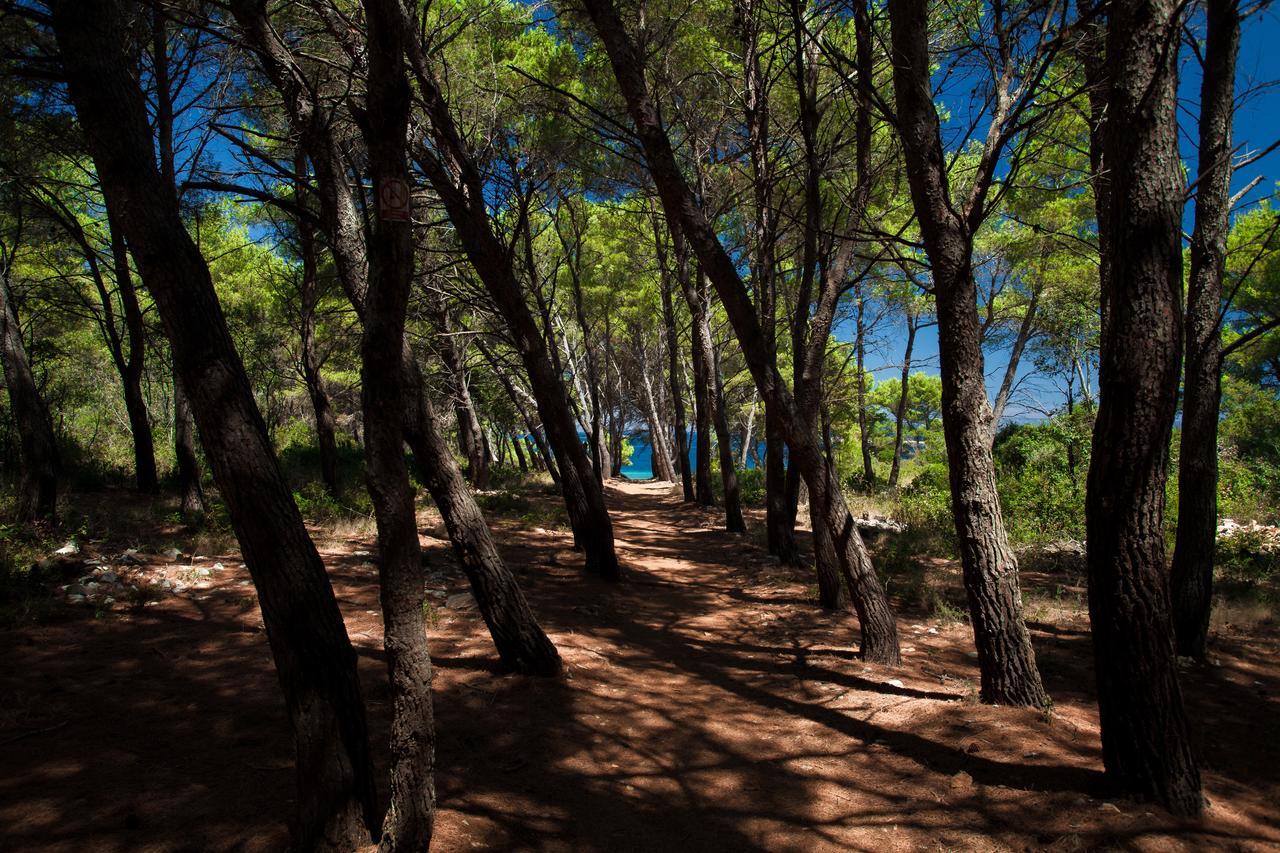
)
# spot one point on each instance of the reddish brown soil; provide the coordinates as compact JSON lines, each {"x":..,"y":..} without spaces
{"x":708,"y":705}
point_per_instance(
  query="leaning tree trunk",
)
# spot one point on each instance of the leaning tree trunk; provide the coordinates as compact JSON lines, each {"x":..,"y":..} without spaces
{"x":1005,"y":657}
{"x":38,"y":484}
{"x":1192,"y":578}
{"x":1145,"y":745}
{"x":314,"y":659}
{"x":879,"y":631}
{"x":460,"y":188}
{"x":520,"y":642}
{"x":384,"y":122}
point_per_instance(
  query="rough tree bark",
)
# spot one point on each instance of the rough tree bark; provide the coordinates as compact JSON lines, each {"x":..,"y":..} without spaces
{"x":38,"y":483}
{"x":384,"y":122}
{"x":1005,"y":657}
{"x":879,"y":631}
{"x":1145,"y":746}
{"x":314,"y":658}
{"x":1191,"y":583}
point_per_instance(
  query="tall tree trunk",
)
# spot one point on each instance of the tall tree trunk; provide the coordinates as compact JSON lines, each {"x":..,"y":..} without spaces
{"x":780,"y":528}
{"x":384,"y":121}
{"x":516,"y":441}
{"x":322,"y":409}
{"x":134,"y":366}
{"x":904,"y":394}
{"x":1005,"y":657}
{"x":471,"y":440}
{"x":681,"y":421}
{"x":314,"y":658}
{"x":190,"y":490}
{"x":1015,"y":358}
{"x":1192,"y":578}
{"x":864,"y":430}
{"x":733,"y":521}
{"x":748,"y":429}
{"x":662,"y":467}
{"x":879,"y":631}
{"x":1145,"y":745}
{"x":779,"y":524}
{"x":702,"y":405}
{"x":520,"y":642}
{"x":461,"y":191}
{"x":38,"y":485}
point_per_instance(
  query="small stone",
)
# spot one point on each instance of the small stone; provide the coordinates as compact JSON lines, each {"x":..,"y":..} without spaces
{"x":67,"y":550}
{"x":91,"y":587}
{"x":962,"y":781}
{"x":74,"y":589}
{"x":108,"y":600}
{"x":217,"y":567}
{"x":894,"y":682}
{"x":203,"y":572}
{"x":1109,"y":807}
{"x":108,"y":576}
{"x":933,"y":630}
{"x":172,"y":554}
{"x":360,"y":553}
{"x":76,"y":598}
{"x":129,"y":558}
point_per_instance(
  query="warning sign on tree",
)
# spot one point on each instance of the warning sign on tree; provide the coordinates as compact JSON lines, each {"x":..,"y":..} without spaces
{"x":393,"y":200}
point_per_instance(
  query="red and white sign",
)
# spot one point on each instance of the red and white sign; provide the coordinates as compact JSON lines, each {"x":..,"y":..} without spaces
{"x":393,"y":200}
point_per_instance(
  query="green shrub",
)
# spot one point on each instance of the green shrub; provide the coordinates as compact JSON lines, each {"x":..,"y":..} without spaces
{"x":751,"y":483}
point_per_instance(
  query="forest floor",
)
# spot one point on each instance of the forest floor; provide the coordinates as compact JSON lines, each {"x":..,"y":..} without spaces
{"x":708,"y":704}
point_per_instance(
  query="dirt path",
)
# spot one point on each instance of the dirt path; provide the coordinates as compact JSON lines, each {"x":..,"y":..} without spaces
{"x":709,"y":705}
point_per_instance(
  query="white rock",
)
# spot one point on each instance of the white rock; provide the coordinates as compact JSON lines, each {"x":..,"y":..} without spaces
{"x":75,"y":599}
{"x":217,"y":567}
{"x":894,"y":682}
{"x":68,"y":549}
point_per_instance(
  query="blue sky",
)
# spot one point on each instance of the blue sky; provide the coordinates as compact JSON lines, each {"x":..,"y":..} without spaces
{"x":1257,"y":126}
